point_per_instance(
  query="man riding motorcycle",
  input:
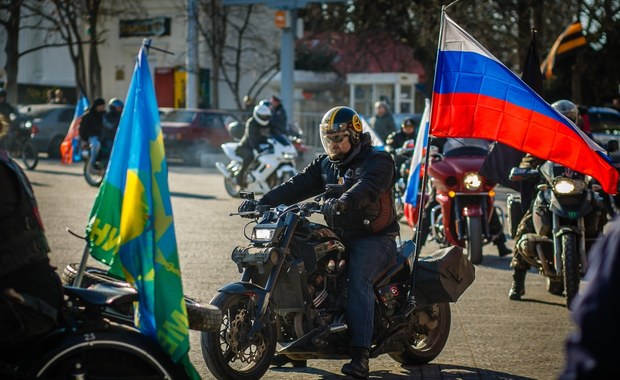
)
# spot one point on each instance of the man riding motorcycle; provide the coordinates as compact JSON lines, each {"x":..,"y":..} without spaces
{"x":257,"y":130}
{"x":518,"y":264}
{"x":363,"y":215}
{"x":396,"y":140}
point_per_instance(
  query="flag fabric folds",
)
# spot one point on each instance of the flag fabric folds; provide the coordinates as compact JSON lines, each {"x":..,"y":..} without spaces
{"x":131,"y":226}
{"x":569,"y":42}
{"x":71,"y":144}
{"x":415,"y":168}
{"x":476,"y":96}
{"x":502,"y":158}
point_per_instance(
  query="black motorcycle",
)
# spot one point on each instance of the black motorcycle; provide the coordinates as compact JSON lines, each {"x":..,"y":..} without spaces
{"x":568,"y":216}
{"x":293,"y":293}
{"x":18,"y":142}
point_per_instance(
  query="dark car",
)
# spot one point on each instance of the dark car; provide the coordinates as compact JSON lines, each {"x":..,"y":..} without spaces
{"x":605,"y":126}
{"x":50,"y":123}
{"x":188,"y":133}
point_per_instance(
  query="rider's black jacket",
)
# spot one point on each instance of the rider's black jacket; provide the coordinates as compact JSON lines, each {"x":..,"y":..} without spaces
{"x":367,"y":175}
{"x":255,"y":134}
{"x":396,"y":140}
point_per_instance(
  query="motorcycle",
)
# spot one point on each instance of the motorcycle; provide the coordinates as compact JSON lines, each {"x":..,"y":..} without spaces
{"x":292,"y":293}
{"x":88,"y":343}
{"x":273,"y":164}
{"x":568,"y":216}
{"x":400,"y":185}
{"x":465,"y":200}
{"x":19,"y":143}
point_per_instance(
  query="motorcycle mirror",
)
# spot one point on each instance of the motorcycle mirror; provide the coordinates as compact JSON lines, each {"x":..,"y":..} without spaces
{"x":246,"y":195}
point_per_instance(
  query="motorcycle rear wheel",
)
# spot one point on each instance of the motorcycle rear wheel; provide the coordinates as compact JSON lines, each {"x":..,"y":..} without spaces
{"x":572,"y":272}
{"x":200,"y":316}
{"x":424,"y":344}
{"x":30,"y":155}
{"x":228,"y":353}
{"x":474,"y":242}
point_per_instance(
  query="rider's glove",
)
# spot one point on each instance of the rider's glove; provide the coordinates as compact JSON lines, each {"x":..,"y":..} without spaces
{"x":333,"y":207}
{"x":248,"y":205}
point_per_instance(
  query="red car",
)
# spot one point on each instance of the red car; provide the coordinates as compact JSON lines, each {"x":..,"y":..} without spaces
{"x":188,"y":133}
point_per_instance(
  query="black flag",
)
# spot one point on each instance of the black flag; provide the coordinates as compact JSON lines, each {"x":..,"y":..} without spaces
{"x":502,"y":158}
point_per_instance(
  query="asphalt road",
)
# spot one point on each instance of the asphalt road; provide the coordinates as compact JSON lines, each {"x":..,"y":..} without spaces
{"x":491,"y":337}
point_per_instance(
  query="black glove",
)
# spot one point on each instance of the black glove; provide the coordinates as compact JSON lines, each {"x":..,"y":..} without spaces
{"x":248,"y":205}
{"x":333,"y":207}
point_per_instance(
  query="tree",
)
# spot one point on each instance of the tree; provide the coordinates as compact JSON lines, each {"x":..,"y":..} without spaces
{"x":10,"y":16}
{"x":240,"y":45}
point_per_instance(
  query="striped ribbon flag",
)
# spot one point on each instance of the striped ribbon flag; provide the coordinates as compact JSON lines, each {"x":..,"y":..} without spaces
{"x":70,"y":145}
{"x":569,"y":42}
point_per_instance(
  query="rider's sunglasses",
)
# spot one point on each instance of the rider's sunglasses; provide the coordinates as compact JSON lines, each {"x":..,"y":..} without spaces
{"x":336,"y":137}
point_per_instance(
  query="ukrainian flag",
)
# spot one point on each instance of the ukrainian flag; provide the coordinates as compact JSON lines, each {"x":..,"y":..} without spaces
{"x":131,"y":227}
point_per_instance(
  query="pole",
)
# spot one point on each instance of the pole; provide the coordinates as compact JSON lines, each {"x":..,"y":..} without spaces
{"x":191,"y":60}
{"x":287,"y":64}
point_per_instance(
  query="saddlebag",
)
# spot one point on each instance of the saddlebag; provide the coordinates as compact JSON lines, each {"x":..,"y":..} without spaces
{"x":442,"y":276}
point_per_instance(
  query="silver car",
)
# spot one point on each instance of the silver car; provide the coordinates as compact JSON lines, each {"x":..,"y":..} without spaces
{"x":50,"y":123}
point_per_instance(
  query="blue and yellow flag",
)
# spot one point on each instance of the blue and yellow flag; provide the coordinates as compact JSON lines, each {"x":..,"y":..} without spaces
{"x":131,"y":227}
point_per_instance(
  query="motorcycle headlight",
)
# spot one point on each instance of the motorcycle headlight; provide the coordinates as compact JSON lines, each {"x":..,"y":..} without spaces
{"x":263,"y":235}
{"x":568,"y":186}
{"x":472,"y":181}
{"x":288,"y":156}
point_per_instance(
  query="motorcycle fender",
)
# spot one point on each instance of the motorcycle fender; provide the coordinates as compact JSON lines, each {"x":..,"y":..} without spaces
{"x":243,"y":288}
{"x":472,"y":210}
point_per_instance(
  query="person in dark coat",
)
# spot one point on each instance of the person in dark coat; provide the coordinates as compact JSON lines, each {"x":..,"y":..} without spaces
{"x":91,"y":127}
{"x":383,"y":121}
{"x":591,"y":351}
{"x":30,"y":288}
{"x":363,"y":216}
{"x":257,"y":130}
{"x":396,"y":140}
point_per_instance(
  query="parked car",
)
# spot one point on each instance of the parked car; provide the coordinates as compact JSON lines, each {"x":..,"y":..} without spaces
{"x":188,"y":133}
{"x":605,"y":126}
{"x":50,"y":123}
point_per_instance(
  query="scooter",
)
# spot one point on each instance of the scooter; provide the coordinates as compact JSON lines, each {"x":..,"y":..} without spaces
{"x":274,"y":163}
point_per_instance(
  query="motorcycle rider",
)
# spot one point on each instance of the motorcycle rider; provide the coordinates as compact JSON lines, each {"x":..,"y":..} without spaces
{"x":363,"y":215}
{"x":395,"y":140}
{"x":495,"y":226}
{"x":30,"y":289}
{"x":6,"y":108}
{"x":518,"y":264}
{"x":91,"y":126}
{"x":110,"y":122}
{"x":257,"y":130}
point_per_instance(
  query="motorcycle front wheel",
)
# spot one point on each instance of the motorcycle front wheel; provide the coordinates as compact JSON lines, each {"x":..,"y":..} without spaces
{"x":474,"y":242}
{"x":232,"y":188}
{"x":30,"y":155}
{"x":572,"y":272}
{"x":426,"y":340}
{"x":93,"y":175}
{"x":231,"y":353}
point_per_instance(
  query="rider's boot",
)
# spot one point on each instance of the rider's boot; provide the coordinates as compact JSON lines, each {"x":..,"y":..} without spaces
{"x":517,"y":290}
{"x":358,"y":367}
{"x":240,"y":179}
{"x":502,"y":250}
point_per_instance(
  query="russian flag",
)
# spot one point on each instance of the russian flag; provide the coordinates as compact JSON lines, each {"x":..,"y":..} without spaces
{"x":475,"y":95}
{"x":415,"y":167}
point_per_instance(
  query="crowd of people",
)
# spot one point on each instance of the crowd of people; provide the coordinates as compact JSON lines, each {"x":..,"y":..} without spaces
{"x":363,"y":215}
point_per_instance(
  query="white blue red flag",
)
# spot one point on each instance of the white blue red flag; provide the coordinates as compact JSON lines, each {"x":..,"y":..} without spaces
{"x":475,"y":95}
{"x":415,"y":169}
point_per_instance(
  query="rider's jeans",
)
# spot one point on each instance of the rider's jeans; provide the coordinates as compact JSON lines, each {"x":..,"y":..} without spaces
{"x":368,"y":257}
{"x":95,"y":146}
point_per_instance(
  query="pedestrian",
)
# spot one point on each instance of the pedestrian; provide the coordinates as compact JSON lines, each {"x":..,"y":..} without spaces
{"x":30,"y":288}
{"x":382,"y":121}
{"x":59,"y":97}
{"x":363,"y":216}
{"x":91,"y":127}
{"x":595,"y":311}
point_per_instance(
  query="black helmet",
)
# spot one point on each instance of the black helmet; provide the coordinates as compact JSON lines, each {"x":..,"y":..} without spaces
{"x":262,"y":114}
{"x":343,"y":122}
{"x":567,"y":108}
{"x":408,"y":122}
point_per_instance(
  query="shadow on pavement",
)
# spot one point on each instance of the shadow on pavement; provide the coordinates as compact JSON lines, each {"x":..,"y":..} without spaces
{"x":429,"y":371}
{"x":59,"y":172}
{"x":188,"y":195}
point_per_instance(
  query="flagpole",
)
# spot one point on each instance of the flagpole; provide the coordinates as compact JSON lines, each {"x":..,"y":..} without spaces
{"x":421,"y":204}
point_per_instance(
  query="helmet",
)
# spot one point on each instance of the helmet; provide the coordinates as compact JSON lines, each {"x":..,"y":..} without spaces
{"x":262,"y":114}
{"x":340,"y":121}
{"x":115,"y":102}
{"x":408,"y":122}
{"x":567,"y":108}
{"x":266,"y":102}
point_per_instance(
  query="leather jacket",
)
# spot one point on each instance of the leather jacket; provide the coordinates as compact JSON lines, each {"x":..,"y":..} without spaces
{"x":366,"y":173}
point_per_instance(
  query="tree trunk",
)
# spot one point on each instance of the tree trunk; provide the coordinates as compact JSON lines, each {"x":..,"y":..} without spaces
{"x":12,"y":52}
